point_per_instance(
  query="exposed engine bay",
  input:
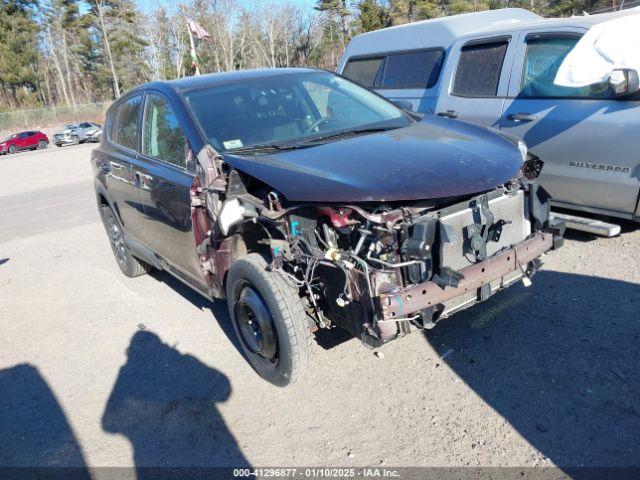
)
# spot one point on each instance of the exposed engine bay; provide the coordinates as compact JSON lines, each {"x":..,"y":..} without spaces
{"x":379,"y":270}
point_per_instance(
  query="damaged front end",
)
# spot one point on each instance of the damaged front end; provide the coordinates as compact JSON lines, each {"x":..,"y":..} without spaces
{"x":376,"y":269}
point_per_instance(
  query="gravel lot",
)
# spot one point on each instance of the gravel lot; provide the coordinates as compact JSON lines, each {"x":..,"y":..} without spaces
{"x":97,"y":369}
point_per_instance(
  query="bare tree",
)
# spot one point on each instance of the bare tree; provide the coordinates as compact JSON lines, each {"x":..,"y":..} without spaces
{"x":98,"y":10}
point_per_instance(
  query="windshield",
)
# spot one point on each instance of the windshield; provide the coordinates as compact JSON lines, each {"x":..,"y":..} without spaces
{"x":71,"y":127}
{"x":10,"y":137}
{"x":289,"y":109}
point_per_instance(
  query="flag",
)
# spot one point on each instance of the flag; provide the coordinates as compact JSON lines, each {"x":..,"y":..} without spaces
{"x":197,"y":30}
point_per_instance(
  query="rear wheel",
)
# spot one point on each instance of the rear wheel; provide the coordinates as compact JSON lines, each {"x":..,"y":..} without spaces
{"x":130,"y":266}
{"x":269,"y":320}
{"x":42,"y":144}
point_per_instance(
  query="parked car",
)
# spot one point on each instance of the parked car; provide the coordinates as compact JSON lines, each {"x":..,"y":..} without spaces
{"x":76,"y":133}
{"x":30,"y":140}
{"x":497,"y":68}
{"x":309,"y":202}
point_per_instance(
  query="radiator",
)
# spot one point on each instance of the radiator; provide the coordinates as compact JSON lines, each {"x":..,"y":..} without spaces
{"x":510,"y":208}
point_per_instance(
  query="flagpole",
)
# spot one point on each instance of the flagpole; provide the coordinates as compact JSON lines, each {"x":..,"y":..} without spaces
{"x":194,"y":58}
{"x":193,"y":51}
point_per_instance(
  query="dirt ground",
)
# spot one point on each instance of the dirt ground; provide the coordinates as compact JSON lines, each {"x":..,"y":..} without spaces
{"x":97,"y":369}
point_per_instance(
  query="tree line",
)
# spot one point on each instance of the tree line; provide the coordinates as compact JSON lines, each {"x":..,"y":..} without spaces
{"x":69,"y":52}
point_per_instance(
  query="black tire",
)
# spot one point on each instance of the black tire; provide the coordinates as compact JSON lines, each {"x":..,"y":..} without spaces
{"x":58,"y":144}
{"x":130,"y":266}
{"x":42,"y":145}
{"x":255,"y":294}
{"x":12,"y":149}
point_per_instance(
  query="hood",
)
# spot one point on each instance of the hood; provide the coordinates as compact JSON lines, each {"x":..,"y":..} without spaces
{"x":434,"y":158}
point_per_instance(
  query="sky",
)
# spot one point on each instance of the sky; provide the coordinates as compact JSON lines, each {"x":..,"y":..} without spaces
{"x":147,"y":5}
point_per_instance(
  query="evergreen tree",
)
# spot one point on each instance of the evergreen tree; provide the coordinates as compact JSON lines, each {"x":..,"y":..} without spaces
{"x":118,"y":23}
{"x":405,"y":11}
{"x":372,"y":16}
{"x":18,"y":50}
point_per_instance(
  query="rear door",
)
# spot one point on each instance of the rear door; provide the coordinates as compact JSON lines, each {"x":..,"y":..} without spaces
{"x":119,"y":154}
{"x":31,"y":140}
{"x":587,"y":140}
{"x":476,"y":79}
{"x":409,"y":78}
{"x":164,"y":182}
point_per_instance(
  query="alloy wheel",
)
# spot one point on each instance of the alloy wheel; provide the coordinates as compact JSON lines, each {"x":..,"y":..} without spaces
{"x":117,"y":242}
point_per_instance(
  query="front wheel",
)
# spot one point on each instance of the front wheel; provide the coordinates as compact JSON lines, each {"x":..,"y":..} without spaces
{"x":12,"y":149}
{"x":42,"y":145}
{"x":75,"y":139}
{"x":269,"y":320}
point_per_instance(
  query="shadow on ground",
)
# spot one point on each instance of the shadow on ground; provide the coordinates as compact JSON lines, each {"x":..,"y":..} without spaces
{"x":326,"y":339}
{"x":164,"y":403}
{"x":218,"y":308}
{"x":34,"y":431}
{"x":560,"y":362}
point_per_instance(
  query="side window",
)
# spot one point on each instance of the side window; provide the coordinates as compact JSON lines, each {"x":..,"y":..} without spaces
{"x":543,"y":58}
{"x":364,"y":71}
{"x":162,"y":137}
{"x":413,"y":70}
{"x":479,"y":69}
{"x":125,"y":125}
{"x":85,"y":125}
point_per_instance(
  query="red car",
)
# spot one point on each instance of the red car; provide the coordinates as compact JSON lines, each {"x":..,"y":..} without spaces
{"x":24,"y":141}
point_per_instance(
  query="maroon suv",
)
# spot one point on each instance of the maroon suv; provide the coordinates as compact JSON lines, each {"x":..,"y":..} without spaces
{"x":24,"y":141}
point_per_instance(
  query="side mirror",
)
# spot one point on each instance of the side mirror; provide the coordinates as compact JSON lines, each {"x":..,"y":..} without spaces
{"x":624,"y":82}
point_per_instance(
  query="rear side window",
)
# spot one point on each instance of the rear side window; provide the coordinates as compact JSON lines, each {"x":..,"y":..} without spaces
{"x":419,"y":69}
{"x":162,"y":137}
{"x":479,"y":69}
{"x":413,"y":70}
{"x":364,"y":71}
{"x":124,"y":131}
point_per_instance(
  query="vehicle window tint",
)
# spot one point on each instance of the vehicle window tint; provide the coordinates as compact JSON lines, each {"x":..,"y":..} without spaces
{"x":364,"y":71}
{"x":162,"y":137}
{"x":336,"y":106}
{"x":413,"y":70}
{"x":542,"y":61}
{"x":125,"y":128}
{"x":288,"y":108}
{"x":85,"y":125}
{"x":479,"y":68}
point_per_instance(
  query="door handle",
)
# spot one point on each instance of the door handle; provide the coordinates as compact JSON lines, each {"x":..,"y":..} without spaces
{"x":105,"y":167}
{"x":144,"y":181}
{"x":448,"y":114}
{"x":521,"y":117}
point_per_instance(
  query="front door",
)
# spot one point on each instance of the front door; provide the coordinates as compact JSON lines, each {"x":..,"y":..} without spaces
{"x":587,"y":140}
{"x":164,"y":182}
{"x":478,"y":72}
{"x":23,"y":141}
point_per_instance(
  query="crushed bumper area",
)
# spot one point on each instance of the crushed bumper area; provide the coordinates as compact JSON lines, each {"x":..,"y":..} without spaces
{"x":415,"y":298}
